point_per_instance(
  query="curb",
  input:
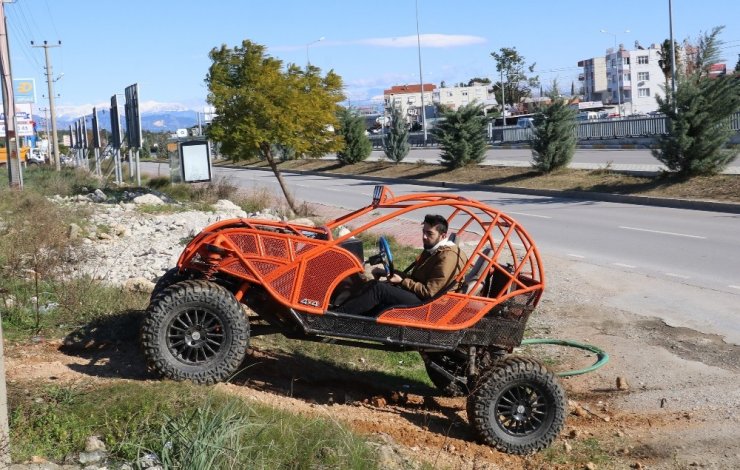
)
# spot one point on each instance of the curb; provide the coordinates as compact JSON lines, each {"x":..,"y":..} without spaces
{"x":712,"y":206}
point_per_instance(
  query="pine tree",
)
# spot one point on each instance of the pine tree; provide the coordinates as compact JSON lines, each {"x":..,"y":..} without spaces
{"x":357,"y":146}
{"x":462,"y":136}
{"x":554,"y":141}
{"x":396,"y":142}
{"x":698,"y":116}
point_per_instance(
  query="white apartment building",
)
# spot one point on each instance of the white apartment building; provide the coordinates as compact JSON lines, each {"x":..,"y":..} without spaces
{"x":455,"y":97}
{"x":633,"y":79}
{"x":408,"y":99}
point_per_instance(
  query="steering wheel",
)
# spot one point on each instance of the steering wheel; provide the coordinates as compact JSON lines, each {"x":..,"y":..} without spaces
{"x":386,"y":256}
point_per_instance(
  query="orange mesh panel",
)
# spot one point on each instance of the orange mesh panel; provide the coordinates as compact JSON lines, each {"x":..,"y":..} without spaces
{"x":246,"y":242}
{"x":301,"y":247}
{"x":264,"y":267}
{"x":423,"y":313}
{"x":283,"y":285}
{"x":321,"y":272}
{"x":275,"y":247}
{"x":238,"y":269}
{"x":471,"y":309}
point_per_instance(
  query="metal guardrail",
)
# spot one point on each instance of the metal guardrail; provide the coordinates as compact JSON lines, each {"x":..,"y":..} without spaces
{"x":615,"y":128}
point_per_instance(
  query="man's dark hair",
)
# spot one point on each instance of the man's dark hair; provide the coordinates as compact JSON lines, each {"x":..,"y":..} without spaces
{"x":437,"y":221}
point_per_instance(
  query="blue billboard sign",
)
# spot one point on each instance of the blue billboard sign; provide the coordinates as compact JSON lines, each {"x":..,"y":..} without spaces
{"x":24,"y":90}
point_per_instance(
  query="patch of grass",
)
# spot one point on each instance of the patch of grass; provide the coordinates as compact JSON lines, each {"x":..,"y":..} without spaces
{"x":375,"y":368}
{"x":55,"y":307}
{"x":581,"y":453}
{"x":184,"y":425}
{"x":67,"y":182}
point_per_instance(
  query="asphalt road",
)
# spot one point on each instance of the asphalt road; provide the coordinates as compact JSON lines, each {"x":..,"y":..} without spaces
{"x":694,"y":255}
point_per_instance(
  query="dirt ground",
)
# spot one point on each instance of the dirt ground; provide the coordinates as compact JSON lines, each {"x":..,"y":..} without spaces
{"x":677,"y":406}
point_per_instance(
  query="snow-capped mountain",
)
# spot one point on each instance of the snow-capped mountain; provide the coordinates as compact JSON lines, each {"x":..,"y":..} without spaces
{"x":155,"y":116}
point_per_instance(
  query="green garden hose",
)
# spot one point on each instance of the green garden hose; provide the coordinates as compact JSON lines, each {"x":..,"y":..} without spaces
{"x":602,"y":356}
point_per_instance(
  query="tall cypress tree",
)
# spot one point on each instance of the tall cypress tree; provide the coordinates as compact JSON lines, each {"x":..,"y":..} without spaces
{"x":357,"y":146}
{"x":462,"y":136}
{"x":554,"y":141}
{"x":396,"y":142}
{"x":698,"y":116}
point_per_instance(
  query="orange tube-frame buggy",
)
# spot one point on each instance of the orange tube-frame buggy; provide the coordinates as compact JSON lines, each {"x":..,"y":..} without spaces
{"x":289,"y":274}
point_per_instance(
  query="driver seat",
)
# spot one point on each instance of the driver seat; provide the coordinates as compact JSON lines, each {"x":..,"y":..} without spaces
{"x":475,"y":272}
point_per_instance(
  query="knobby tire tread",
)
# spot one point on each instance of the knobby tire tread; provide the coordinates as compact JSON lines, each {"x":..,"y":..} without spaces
{"x":206,"y":295}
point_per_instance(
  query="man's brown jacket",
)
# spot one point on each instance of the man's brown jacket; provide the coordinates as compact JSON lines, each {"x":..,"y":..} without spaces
{"x":432,"y":272}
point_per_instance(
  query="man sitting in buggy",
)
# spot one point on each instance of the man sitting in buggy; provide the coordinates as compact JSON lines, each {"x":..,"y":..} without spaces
{"x":433,"y":271}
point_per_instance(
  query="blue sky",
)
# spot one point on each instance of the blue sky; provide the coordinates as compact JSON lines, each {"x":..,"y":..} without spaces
{"x":163,"y":45}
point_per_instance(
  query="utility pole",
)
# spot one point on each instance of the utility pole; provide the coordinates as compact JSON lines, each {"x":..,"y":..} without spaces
{"x":8,"y":106}
{"x":50,"y":83}
{"x":15,"y":176}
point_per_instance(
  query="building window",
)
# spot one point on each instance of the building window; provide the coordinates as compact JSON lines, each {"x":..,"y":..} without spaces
{"x":643,"y":76}
{"x":625,"y":61}
{"x":449,"y":93}
{"x":626,"y":78}
{"x":642,"y":59}
{"x":643,"y":92}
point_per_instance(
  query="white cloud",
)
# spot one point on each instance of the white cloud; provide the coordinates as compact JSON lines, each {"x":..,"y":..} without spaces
{"x":427,"y":40}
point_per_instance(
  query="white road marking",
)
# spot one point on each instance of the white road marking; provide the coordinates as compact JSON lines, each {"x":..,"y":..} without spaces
{"x":680,"y":276}
{"x":622,"y":265}
{"x":576,"y":256}
{"x":530,"y":215}
{"x":733,"y":287}
{"x":663,"y":233}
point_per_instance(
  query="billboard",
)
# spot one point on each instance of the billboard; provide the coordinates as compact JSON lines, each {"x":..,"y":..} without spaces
{"x":95,"y":129}
{"x":195,"y":161}
{"x":24,"y":90}
{"x":115,"y":123}
{"x":133,"y":117}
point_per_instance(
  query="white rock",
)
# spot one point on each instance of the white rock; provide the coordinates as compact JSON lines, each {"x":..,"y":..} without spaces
{"x":98,"y":196}
{"x":224,"y":205}
{"x":302,"y":221}
{"x":94,"y":443}
{"x":148,"y":199}
{"x":139,"y":284}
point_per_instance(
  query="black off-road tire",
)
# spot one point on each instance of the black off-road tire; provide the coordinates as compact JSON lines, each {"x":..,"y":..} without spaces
{"x":453,"y":363}
{"x":172,"y":276}
{"x":518,"y":406}
{"x":195,"y":330}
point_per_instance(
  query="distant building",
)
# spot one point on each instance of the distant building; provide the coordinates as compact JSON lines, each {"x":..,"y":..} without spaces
{"x":408,"y":99}
{"x":455,"y":97}
{"x":633,"y":79}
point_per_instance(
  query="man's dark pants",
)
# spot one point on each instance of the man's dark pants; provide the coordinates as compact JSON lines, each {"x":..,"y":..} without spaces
{"x":376,"y":296}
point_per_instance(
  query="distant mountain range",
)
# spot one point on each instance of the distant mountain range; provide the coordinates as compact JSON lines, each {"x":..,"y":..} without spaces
{"x":156,"y":121}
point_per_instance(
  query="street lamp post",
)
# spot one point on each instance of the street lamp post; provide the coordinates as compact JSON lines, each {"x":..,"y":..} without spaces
{"x":673,"y":55}
{"x":308,"y":61}
{"x":421,"y":80}
{"x":619,"y":72}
